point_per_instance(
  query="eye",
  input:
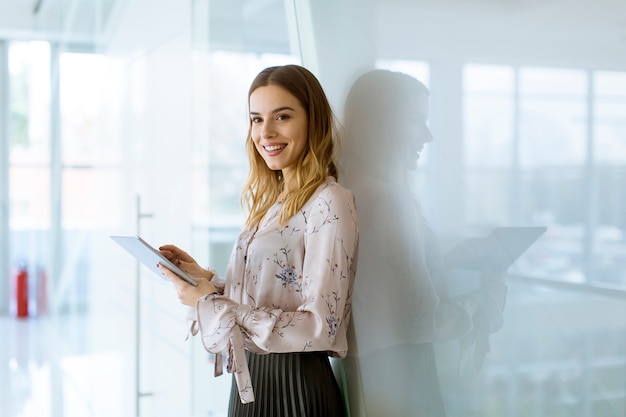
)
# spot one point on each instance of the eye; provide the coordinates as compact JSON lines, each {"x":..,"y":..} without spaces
{"x":255,"y":119}
{"x":282,"y":117}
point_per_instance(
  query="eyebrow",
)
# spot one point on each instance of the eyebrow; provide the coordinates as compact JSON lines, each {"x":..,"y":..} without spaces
{"x":276,"y":110}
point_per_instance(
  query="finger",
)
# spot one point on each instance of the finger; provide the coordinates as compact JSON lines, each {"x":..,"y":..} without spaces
{"x":169,"y":255}
{"x":175,"y":250}
{"x":169,"y":247}
{"x":187,"y":266}
{"x":171,"y":276}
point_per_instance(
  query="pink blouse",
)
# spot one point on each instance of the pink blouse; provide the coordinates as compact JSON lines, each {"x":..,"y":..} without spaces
{"x":288,"y":288}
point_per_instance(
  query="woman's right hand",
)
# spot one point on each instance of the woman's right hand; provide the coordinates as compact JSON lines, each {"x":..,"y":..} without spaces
{"x":184,"y":261}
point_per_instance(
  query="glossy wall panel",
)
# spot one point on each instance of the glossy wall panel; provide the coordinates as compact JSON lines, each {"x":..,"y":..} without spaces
{"x":483,"y":169}
{"x":512,"y":115}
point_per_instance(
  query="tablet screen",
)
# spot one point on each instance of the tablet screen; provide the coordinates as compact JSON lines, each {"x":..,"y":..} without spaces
{"x":150,"y":257}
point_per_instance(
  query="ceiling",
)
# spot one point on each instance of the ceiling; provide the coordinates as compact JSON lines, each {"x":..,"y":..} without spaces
{"x":600,"y":21}
{"x":74,"y":21}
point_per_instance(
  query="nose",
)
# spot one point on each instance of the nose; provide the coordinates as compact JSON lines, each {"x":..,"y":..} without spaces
{"x":423,"y":134}
{"x":268,"y":130}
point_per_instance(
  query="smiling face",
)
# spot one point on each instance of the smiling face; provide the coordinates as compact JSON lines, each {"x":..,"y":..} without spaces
{"x":279,"y":127}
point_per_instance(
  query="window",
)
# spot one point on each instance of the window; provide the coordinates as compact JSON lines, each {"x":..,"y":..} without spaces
{"x":29,"y":157}
{"x":220,"y":162}
{"x":55,"y":169}
{"x":555,"y":137}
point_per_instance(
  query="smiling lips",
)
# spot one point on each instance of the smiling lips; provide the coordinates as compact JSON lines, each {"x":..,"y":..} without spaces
{"x":274,"y":148}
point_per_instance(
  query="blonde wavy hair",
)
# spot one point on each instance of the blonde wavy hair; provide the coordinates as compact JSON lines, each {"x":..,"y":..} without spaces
{"x":315,"y":165}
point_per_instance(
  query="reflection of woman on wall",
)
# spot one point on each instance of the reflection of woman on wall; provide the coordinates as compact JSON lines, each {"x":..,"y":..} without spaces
{"x":401,"y":304}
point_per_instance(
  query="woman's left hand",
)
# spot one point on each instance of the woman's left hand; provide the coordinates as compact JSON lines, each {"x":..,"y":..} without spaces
{"x":187,"y":293}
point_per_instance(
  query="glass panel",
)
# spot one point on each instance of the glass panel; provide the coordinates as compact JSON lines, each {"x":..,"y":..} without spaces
{"x":487,"y":197}
{"x":232,"y":43}
{"x":553,"y":82}
{"x":488,"y":140}
{"x":552,"y":132}
{"x":84,"y":208}
{"x":29,"y":87}
{"x":552,"y":197}
{"x":609,"y":111}
{"x":552,"y":357}
{"x":610,"y":83}
{"x":29,"y":158}
{"x":226,"y":161}
{"x":488,"y":79}
{"x":608,"y":260}
{"x":523,"y":136}
{"x":609,"y":132}
{"x":80,"y":102}
{"x":553,"y":122}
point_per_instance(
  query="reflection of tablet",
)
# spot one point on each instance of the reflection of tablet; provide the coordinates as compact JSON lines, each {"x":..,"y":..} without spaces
{"x":150,"y":257}
{"x":498,"y":250}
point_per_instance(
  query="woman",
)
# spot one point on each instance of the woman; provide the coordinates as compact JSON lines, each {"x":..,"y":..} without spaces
{"x":286,"y":298}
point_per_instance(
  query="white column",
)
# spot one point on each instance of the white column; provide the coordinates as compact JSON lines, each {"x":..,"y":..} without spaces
{"x":56,"y":238}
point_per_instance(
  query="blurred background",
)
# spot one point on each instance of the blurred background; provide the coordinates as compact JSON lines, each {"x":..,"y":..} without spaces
{"x":129,"y":117}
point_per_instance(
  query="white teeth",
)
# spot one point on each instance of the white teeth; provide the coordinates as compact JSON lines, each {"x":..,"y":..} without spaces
{"x":274,"y":147}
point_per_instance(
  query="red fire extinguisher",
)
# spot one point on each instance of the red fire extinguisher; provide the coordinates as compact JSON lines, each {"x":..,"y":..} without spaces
{"x":21,"y":292}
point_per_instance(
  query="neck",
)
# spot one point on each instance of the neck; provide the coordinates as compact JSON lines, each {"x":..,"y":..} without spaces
{"x":288,"y":183}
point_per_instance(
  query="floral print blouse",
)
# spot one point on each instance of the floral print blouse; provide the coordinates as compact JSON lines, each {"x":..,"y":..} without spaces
{"x":288,"y":287}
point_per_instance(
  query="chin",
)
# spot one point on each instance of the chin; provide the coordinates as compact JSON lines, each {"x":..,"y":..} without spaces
{"x":273,"y":165}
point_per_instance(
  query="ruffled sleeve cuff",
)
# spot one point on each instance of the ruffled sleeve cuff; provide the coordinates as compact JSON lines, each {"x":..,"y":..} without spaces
{"x":219,"y":320}
{"x":192,"y":322}
{"x":192,"y":313}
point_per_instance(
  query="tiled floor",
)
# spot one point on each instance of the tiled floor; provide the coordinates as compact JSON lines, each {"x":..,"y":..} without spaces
{"x":49,"y":369}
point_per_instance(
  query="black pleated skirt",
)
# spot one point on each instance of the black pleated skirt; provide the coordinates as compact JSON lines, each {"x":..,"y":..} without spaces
{"x":290,"y":385}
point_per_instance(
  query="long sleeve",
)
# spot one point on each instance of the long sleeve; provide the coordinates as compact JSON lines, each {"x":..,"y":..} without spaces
{"x":289,"y":287}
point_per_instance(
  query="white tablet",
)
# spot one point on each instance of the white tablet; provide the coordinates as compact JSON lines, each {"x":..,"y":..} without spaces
{"x":150,"y":257}
{"x":498,"y":250}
